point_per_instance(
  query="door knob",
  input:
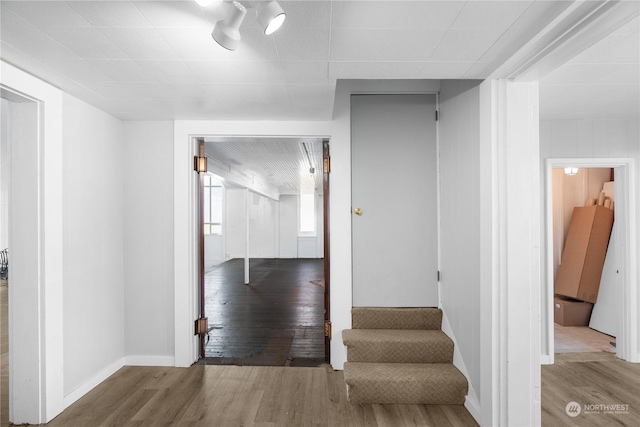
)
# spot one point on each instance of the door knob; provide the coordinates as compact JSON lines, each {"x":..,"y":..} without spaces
{"x":357,"y":211}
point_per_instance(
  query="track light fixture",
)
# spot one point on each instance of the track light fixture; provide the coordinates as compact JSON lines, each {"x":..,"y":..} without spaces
{"x":226,"y":32}
{"x":271,"y":17}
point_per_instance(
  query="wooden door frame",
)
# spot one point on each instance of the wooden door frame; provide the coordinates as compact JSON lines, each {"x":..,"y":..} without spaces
{"x":326,"y":170}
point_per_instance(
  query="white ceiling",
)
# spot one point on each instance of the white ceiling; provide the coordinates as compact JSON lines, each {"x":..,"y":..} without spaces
{"x":603,"y":81}
{"x":281,"y":163}
{"x":154,"y":60}
{"x":157,"y":60}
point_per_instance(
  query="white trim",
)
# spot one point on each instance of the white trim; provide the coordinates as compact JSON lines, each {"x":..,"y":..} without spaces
{"x":94,"y":381}
{"x":627,"y":341}
{"x":439,"y":209}
{"x":142,"y":360}
{"x":575,"y":29}
{"x":510,"y":268}
{"x":49,"y":335}
{"x":185,"y":220}
{"x":185,"y":260}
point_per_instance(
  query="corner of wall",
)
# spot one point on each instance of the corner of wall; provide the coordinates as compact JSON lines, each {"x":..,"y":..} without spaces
{"x":472,"y":403}
{"x":94,"y":381}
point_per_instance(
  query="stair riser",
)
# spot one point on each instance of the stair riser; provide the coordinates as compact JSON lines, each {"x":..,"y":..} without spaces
{"x":396,"y":318}
{"x":401,"y":356}
{"x":404,"y":353}
{"x":408,"y":393}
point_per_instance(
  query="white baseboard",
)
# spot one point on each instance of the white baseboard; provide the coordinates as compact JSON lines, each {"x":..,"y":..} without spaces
{"x":149,"y":361}
{"x":473,"y":406}
{"x":471,"y":402}
{"x":89,"y":385}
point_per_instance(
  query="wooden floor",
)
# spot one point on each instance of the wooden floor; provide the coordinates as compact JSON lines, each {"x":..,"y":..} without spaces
{"x":581,"y":339}
{"x":591,"y":380}
{"x":294,"y":396}
{"x":587,"y":371}
{"x":234,"y":396}
{"x":275,"y":320}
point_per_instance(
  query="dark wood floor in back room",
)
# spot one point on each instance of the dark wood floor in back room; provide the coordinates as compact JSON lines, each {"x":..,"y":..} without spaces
{"x":275,"y":320}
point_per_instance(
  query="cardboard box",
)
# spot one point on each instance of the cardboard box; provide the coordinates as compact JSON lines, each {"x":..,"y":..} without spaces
{"x":567,"y":312}
{"x":584,"y":252}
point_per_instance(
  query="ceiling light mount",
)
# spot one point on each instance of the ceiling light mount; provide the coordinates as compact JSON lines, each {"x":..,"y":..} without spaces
{"x":312,"y":170}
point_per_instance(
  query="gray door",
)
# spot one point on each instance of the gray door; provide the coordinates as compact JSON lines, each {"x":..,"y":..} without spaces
{"x":394,"y":200}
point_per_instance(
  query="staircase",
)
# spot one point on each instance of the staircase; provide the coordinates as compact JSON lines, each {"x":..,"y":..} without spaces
{"x":401,"y":355}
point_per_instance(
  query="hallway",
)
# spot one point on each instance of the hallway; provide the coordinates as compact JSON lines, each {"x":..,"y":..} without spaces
{"x":275,"y":320}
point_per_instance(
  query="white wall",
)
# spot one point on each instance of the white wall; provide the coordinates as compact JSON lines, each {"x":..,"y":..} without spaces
{"x":148,"y":243}
{"x":460,"y":218}
{"x":92,"y":242}
{"x":215,"y":249}
{"x":236,"y":226}
{"x":273,"y":227}
{"x":263,"y":225}
{"x":288,"y":218}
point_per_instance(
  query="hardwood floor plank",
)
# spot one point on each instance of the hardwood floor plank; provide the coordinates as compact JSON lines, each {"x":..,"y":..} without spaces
{"x":269,"y":408}
{"x":458,"y":416}
{"x":387,"y":415}
{"x":591,"y":380}
{"x":278,"y":317}
{"x":230,"y":396}
{"x":129,"y":408}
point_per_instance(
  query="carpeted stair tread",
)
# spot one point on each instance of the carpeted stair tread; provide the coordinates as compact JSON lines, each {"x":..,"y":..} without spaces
{"x":396,"y":318}
{"x":405,"y":383}
{"x":397,"y":346}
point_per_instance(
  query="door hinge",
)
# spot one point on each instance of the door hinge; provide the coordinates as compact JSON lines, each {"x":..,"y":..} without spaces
{"x":327,"y":328}
{"x":202,"y":326}
{"x":436,"y":115}
{"x":327,"y":165}
{"x":438,"y":274}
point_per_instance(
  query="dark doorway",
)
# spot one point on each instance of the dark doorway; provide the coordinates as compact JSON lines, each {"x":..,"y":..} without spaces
{"x":276,"y":320}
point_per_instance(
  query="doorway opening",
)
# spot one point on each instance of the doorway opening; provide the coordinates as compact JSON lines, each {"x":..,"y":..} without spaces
{"x":21,"y":246}
{"x":585,"y":326}
{"x":610,"y":308}
{"x":265,"y":287}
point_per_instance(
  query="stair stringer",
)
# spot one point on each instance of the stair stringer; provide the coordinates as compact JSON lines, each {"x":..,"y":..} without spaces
{"x":471,"y":402}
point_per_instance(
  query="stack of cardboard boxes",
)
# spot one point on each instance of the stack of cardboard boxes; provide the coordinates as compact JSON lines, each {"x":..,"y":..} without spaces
{"x":579,"y":274}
